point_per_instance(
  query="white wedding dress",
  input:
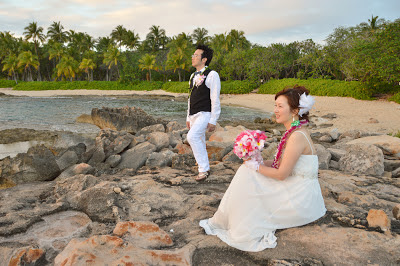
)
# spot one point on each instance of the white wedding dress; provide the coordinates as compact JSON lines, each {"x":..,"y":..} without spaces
{"x":254,"y":206}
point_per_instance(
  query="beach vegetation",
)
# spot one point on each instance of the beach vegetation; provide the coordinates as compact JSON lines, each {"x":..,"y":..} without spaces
{"x":6,"y":83}
{"x":148,"y":62}
{"x":365,"y":54}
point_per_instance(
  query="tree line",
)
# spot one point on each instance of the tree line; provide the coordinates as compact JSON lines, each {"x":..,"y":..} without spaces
{"x":368,"y":52}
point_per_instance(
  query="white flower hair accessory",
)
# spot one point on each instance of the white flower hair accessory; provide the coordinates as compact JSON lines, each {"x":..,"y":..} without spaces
{"x":306,"y":102}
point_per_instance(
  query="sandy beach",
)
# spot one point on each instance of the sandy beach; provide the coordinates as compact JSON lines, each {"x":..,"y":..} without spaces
{"x":373,"y":116}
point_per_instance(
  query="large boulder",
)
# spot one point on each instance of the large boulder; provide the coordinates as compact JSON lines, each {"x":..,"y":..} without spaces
{"x":324,"y":156}
{"x":38,"y":164}
{"x":67,"y":159}
{"x":160,"y":159}
{"x":159,"y":139}
{"x":217,"y":150}
{"x":130,"y":119}
{"x":387,"y":143}
{"x":136,"y":157}
{"x":362,"y":159}
{"x":226,"y":134}
{"x":150,"y":129}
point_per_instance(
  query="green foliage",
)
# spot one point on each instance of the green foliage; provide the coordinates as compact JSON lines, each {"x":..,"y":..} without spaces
{"x":4,"y":83}
{"x":84,"y":85}
{"x":395,"y":98}
{"x":320,"y":87}
{"x":227,"y":87}
{"x":237,"y":87}
{"x":179,"y":87}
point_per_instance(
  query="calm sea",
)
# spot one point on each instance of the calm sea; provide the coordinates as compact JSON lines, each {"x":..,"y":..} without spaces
{"x":60,"y":113}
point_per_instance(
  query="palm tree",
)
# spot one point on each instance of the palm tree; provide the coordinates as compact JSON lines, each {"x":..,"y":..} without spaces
{"x":220,"y":43}
{"x":87,"y":64}
{"x":112,"y":57}
{"x":373,"y":24}
{"x":156,"y":38}
{"x":179,"y":54}
{"x":55,"y":32}
{"x":103,"y":43}
{"x":28,"y":60}
{"x":148,"y":62}
{"x":238,"y":40}
{"x":11,"y":65}
{"x":56,"y":51}
{"x":67,"y":67}
{"x":200,"y":36}
{"x":118,"y":35}
{"x":32,"y":31}
{"x":131,"y":40}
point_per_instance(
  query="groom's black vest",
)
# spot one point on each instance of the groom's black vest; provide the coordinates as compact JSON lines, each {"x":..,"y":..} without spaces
{"x":200,"y":100}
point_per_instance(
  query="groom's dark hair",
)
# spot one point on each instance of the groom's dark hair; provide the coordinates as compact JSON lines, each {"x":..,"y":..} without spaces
{"x":207,"y":53}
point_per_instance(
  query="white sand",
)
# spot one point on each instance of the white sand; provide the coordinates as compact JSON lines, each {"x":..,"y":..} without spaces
{"x":351,"y":113}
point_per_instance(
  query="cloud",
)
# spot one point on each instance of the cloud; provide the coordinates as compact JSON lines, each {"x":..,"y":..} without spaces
{"x":263,"y":21}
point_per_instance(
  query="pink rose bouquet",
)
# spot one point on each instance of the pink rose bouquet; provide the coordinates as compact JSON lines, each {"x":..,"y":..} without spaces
{"x":249,"y":143}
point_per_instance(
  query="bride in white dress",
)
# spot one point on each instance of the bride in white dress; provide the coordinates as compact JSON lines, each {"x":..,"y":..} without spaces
{"x":274,"y":194}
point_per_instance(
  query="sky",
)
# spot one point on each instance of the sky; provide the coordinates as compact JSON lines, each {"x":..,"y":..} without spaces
{"x":263,"y":22}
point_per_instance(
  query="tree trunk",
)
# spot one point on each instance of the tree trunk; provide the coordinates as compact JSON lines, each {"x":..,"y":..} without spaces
{"x":150,"y":74}
{"x":179,"y":74}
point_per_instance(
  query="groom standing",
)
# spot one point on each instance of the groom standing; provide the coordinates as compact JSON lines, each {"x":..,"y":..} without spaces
{"x":203,"y":106}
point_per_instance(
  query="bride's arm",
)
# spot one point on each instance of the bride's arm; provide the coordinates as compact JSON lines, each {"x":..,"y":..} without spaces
{"x":294,"y":148}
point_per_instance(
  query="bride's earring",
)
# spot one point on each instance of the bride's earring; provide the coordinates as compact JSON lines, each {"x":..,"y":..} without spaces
{"x":295,"y":122}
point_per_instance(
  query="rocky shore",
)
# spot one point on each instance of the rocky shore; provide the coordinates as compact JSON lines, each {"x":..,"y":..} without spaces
{"x":128,"y":196}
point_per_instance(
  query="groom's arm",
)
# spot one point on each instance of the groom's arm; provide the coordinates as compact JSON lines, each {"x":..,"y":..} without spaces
{"x":214,"y":83}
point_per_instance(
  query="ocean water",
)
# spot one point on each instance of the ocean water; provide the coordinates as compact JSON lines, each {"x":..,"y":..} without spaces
{"x":60,"y":113}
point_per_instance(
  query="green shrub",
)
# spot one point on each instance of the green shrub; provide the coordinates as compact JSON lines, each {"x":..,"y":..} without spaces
{"x":4,"y":83}
{"x":84,"y":85}
{"x":320,"y":87}
{"x":227,"y":87}
{"x":179,"y":87}
{"x":237,"y":87}
{"x":395,"y":98}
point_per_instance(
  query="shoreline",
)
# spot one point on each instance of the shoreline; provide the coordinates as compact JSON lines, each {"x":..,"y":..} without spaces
{"x":351,"y":114}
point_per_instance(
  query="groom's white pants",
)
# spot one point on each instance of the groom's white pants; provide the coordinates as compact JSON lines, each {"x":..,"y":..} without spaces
{"x":197,"y":139}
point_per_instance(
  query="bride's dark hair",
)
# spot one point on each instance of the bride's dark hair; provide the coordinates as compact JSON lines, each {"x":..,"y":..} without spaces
{"x":292,"y":94}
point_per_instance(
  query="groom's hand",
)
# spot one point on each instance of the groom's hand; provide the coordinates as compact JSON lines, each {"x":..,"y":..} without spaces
{"x":210,"y":127}
{"x":188,"y":124}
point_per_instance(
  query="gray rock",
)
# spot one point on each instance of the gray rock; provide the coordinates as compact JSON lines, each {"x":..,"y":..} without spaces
{"x":98,"y":155}
{"x":183,"y":161}
{"x":268,"y":153}
{"x":334,"y":165}
{"x":334,"y":133}
{"x":174,"y":126}
{"x":136,"y":157}
{"x":77,"y":169}
{"x":79,"y":149}
{"x":396,"y":173}
{"x":68,"y":140}
{"x":114,"y":142}
{"x":159,"y":139}
{"x":231,"y":157}
{"x":160,"y":159}
{"x":175,"y":138}
{"x":151,"y":129}
{"x":129,"y":119}
{"x":336,"y":153}
{"x":362,"y":159}
{"x":38,"y":164}
{"x":391,"y":165}
{"x":137,"y":140}
{"x":324,"y":156}
{"x":326,"y":138}
{"x":67,"y":159}
{"x":276,"y":132}
{"x":114,"y":160}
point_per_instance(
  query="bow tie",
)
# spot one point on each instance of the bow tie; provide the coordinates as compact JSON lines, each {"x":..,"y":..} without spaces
{"x":197,"y":72}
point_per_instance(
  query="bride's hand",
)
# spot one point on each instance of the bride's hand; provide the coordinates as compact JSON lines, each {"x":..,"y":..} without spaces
{"x":252,"y":164}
